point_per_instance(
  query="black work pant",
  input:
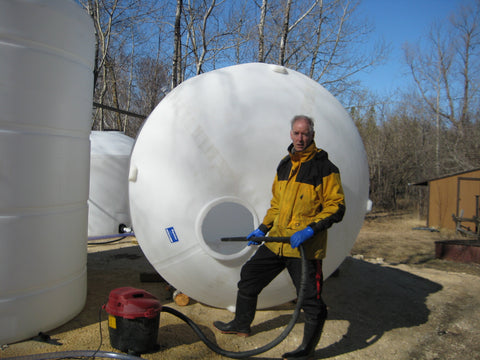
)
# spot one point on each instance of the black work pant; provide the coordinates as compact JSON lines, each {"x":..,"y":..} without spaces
{"x":264,"y":266}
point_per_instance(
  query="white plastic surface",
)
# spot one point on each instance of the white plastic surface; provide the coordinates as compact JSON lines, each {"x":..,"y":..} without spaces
{"x":46,"y":62}
{"x":108,"y":198}
{"x":203,"y":167}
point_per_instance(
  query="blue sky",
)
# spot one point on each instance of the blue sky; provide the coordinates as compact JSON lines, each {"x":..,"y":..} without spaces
{"x":398,"y":22}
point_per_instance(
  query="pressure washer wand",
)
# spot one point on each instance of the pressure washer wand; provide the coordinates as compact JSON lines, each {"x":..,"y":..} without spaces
{"x":282,"y":239}
{"x":244,"y":354}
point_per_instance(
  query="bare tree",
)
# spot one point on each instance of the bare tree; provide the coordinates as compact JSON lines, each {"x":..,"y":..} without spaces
{"x":103,"y":32}
{"x":323,"y":40}
{"x":285,"y":30}
{"x":261,"y":31}
{"x":334,"y":51}
{"x":195,"y":36}
{"x":238,"y":20}
{"x":177,"y":41}
{"x":287,"y":27}
{"x":446,"y":74}
{"x":197,"y":19}
{"x":118,"y":28}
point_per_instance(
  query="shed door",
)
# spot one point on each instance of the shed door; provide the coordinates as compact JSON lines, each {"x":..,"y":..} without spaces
{"x":468,"y":191}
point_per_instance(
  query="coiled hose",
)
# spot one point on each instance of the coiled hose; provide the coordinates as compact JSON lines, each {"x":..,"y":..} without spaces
{"x":211,"y":345}
{"x":244,"y":354}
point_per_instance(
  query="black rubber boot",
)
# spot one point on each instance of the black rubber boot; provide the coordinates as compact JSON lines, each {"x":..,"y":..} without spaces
{"x":311,"y":337}
{"x":244,"y":314}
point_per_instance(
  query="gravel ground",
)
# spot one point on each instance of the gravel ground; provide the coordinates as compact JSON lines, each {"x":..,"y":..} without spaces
{"x":390,"y":300}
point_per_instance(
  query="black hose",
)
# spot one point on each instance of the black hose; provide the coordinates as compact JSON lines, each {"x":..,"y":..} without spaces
{"x":106,"y":242}
{"x":211,"y":345}
{"x":76,"y":354}
{"x":244,"y":354}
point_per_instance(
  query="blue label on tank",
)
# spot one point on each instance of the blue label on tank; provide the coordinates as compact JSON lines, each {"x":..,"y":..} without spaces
{"x":172,"y":235}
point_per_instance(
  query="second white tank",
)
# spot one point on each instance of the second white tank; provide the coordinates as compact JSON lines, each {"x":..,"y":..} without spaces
{"x":108,"y":196}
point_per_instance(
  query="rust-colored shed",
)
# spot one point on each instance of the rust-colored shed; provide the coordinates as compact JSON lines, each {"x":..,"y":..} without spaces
{"x":456,"y":194}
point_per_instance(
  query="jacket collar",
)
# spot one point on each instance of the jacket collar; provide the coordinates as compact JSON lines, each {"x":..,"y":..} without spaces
{"x":304,"y":155}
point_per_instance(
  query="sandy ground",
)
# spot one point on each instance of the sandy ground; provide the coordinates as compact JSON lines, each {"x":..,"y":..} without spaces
{"x":391,"y":300}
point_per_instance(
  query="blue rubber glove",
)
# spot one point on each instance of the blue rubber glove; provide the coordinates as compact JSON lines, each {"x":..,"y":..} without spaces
{"x":255,"y":233}
{"x":300,"y":236}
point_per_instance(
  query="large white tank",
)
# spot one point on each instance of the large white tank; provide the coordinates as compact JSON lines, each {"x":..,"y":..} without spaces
{"x":203,"y":165}
{"x":108,"y":198}
{"x":46,"y":63}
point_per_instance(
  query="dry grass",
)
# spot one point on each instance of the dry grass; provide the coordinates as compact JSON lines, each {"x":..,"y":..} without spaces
{"x":404,"y":239}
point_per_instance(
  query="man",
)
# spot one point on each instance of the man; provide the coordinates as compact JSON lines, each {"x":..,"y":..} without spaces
{"x":307,"y":199}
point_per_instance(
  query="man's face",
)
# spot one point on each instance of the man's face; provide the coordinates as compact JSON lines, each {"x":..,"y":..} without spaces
{"x":301,"y":135}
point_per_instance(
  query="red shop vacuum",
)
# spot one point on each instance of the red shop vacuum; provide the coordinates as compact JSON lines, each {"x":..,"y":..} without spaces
{"x":134,"y":317}
{"x":133,"y":320}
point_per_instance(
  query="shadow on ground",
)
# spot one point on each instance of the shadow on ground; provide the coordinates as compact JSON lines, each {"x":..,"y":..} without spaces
{"x":373,"y":299}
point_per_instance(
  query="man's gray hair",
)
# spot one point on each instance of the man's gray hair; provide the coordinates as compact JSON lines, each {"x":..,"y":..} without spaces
{"x":304,"y":117}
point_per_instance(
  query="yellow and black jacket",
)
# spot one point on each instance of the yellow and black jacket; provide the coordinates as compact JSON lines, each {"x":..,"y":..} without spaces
{"x":307,"y":191}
